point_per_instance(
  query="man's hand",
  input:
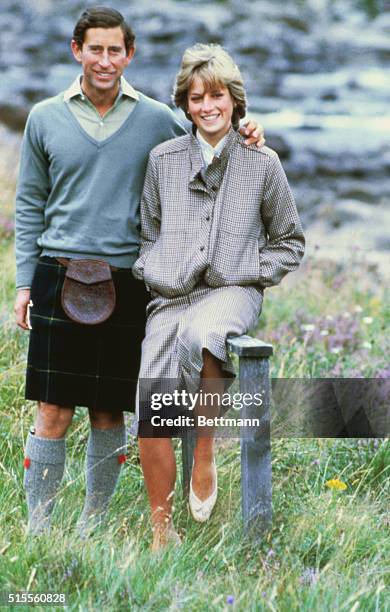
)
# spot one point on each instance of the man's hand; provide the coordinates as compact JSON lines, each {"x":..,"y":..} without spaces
{"x":255,"y":133}
{"x":21,"y":308}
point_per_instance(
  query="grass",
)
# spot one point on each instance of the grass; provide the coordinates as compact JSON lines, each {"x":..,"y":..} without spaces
{"x":328,"y":549}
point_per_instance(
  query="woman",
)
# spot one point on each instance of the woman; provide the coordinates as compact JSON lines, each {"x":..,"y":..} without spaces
{"x":219,"y":224}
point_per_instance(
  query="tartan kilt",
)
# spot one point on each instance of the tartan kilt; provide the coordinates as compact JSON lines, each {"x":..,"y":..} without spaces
{"x":95,"y":366}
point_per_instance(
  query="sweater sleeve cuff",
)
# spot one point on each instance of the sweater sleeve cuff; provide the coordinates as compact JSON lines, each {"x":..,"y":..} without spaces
{"x":25,"y":275}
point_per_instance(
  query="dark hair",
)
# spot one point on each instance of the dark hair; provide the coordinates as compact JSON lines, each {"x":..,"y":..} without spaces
{"x":102,"y":17}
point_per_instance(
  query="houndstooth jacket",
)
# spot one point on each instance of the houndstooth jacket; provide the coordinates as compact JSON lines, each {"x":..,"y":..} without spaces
{"x":234,"y":224}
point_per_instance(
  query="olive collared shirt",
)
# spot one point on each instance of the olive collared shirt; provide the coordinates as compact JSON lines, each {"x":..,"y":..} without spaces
{"x":91,"y":121}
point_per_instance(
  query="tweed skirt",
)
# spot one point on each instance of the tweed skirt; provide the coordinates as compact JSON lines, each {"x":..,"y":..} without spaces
{"x":84,"y":365}
{"x":177,"y":331}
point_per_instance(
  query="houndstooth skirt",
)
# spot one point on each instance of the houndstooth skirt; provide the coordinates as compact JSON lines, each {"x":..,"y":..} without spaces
{"x":177,"y":331}
{"x":84,"y":365}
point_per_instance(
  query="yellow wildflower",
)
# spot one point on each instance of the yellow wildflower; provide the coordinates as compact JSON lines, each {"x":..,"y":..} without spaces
{"x":375,"y":304}
{"x":337,"y":484}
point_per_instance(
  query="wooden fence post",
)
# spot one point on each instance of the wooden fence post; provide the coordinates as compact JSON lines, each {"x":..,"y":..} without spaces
{"x":256,"y":482}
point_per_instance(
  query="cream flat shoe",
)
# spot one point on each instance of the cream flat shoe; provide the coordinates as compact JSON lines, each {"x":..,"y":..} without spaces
{"x":201,"y":510}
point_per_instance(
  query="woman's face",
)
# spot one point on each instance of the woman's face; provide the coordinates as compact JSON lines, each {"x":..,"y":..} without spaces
{"x":210,"y":110}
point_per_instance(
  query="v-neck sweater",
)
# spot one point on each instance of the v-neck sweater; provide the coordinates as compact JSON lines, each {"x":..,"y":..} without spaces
{"x":86,"y":113}
{"x":78,"y":197}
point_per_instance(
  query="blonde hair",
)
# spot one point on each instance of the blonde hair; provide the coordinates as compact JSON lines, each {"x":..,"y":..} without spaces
{"x":214,"y":66}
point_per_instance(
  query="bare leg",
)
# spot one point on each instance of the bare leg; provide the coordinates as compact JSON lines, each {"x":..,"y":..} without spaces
{"x":52,"y":421}
{"x":203,"y":473}
{"x":159,"y":464}
{"x":159,"y":469}
{"x":105,"y":420}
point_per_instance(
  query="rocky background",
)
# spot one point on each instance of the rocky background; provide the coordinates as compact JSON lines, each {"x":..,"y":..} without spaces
{"x":316,"y":74}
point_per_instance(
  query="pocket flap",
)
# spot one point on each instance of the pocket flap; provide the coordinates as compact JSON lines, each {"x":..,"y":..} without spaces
{"x":88,"y":271}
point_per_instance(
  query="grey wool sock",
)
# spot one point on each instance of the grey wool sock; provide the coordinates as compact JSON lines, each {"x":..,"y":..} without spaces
{"x":44,"y":468}
{"x":105,"y":454}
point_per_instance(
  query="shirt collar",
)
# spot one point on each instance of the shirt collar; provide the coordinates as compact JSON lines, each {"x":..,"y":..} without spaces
{"x":125,"y":89}
{"x":207,"y":150}
{"x":196,"y":151}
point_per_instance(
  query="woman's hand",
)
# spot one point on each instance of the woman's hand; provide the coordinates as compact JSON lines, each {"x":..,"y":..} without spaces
{"x":254,"y":132}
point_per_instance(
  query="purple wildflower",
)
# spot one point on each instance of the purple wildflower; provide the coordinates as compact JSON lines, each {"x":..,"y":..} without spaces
{"x":383,"y":373}
{"x":70,"y":569}
{"x":230,"y":600}
{"x":270,"y":553}
{"x":309,"y":576}
{"x":6,"y":226}
{"x":339,"y":281}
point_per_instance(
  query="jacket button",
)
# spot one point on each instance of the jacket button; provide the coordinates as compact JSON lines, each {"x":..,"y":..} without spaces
{"x":214,"y":188}
{"x":201,"y":248}
{"x":207,"y":218}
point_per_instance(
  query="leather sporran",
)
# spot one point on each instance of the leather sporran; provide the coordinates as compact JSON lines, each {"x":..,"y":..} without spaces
{"x":88,"y":293}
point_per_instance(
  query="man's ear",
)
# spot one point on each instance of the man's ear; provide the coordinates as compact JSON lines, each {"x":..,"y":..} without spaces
{"x":130,"y":55}
{"x":76,"y":50}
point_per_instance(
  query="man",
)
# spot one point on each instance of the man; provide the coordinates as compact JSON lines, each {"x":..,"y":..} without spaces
{"x":83,"y":162}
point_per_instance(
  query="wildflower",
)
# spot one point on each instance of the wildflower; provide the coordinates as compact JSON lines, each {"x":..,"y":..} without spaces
{"x":375,"y":303}
{"x":329,"y":317}
{"x":337,"y":370}
{"x":383,"y":373}
{"x":310,"y":576}
{"x":336,"y":350}
{"x":367,"y":345}
{"x":358,"y":308}
{"x":338,"y":282}
{"x":347,"y":315}
{"x":367,"y":320}
{"x":6,"y":226}
{"x":230,"y":600}
{"x":70,"y":569}
{"x":324,"y":332}
{"x":336,"y":484}
{"x":355,"y":373}
{"x":308,"y":327}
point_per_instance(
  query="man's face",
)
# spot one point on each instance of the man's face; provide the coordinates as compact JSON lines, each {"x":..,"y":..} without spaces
{"x":103,"y":57}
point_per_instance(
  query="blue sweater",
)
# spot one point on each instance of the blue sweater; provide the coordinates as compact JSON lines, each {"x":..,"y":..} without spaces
{"x":77,"y":197}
